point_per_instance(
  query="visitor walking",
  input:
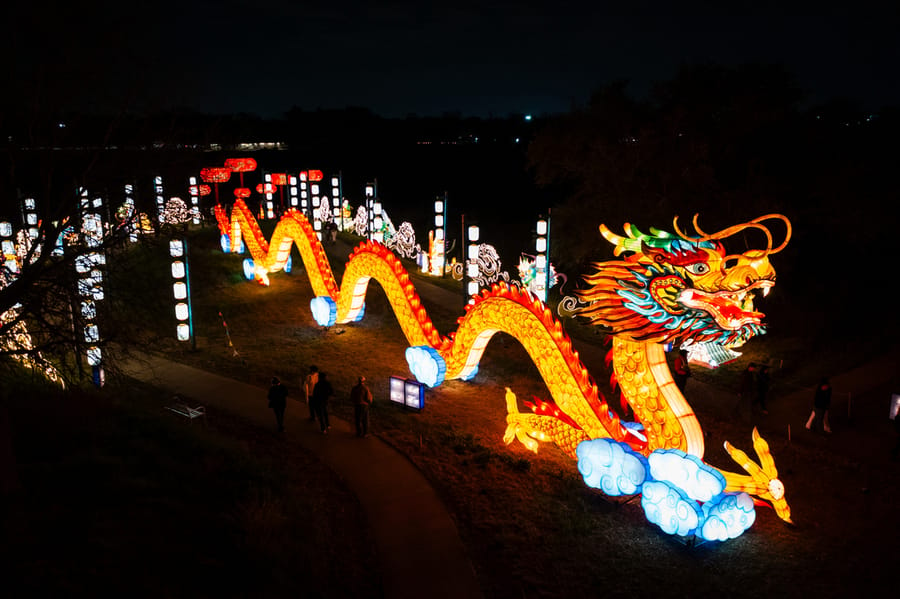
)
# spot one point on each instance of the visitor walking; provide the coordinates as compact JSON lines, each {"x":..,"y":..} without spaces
{"x":321,"y":393}
{"x":762,"y":388}
{"x":278,"y":401}
{"x":681,"y":370}
{"x":818,"y":419}
{"x":361,"y":398}
{"x":306,"y":389}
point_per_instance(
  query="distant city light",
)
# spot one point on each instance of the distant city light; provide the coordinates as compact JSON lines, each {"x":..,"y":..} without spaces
{"x":527,"y":117}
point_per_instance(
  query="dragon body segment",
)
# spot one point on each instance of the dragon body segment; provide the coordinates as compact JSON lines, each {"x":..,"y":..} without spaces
{"x":669,"y":288}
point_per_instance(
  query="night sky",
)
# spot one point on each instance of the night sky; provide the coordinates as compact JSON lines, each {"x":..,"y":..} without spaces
{"x":395,"y":58}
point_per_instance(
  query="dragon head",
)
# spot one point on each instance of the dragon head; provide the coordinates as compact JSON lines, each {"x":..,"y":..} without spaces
{"x":682,"y":289}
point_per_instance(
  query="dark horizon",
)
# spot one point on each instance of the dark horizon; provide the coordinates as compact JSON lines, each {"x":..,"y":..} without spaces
{"x":488,"y":60}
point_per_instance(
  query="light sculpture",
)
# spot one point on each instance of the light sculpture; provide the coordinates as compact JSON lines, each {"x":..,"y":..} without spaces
{"x":472,"y":270}
{"x":294,"y":196}
{"x":90,"y":283}
{"x":241,"y":166}
{"x":132,"y":218}
{"x":181,"y":289}
{"x":304,"y":192}
{"x":542,"y":259}
{"x":403,"y":241}
{"x":160,"y":198}
{"x":215,"y":175}
{"x":269,"y":189}
{"x":8,"y":247}
{"x":371,"y":192}
{"x":436,"y":255}
{"x":176,"y":212}
{"x":337,"y":196}
{"x":195,"y":200}
{"x":696,"y":270}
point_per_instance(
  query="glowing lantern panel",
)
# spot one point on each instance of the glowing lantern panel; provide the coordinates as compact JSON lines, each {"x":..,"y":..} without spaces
{"x":215,"y":174}
{"x":241,"y":165}
{"x":181,"y":311}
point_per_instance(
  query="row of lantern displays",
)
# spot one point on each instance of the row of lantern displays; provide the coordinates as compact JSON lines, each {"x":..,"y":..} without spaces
{"x":88,"y":266}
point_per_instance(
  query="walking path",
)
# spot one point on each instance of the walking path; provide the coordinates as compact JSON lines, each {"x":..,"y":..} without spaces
{"x":419,"y":548}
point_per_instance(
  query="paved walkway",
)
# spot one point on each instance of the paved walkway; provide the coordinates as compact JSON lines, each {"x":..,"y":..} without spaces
{"x":419,"y":548}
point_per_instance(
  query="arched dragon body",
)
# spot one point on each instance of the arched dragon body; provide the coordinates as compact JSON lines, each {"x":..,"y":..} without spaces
{"x":663,"y":298}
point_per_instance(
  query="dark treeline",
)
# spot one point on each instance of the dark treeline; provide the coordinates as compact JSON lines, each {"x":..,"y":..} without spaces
{"x":729,"y":143}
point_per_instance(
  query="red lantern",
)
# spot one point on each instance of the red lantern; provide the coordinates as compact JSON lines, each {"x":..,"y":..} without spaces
{"x":242,"y":192}
{"x":266,"y":188}
{"x":241,"y":165}
{"x":215,"y":174}
{"x":205,"y":190}
{"x":316,"y":175}
{"x":279,"y":178}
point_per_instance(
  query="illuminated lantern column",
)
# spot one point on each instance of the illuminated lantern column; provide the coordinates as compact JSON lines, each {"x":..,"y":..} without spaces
{"x":472,"y":274}
{"x":90,"y":282}
{"x":304,"y":193}
{"x":269,"y":188}
{"x":542,"y":259}
{"x":194,"y":190}
{"x":266,"y":189}
{"x":337,"y":200}
{"x":280,"y":179}
{"x":294,"y":199}
{"x":8,"y":247}
{"x":317,"y":215}
{"x":29,"y":215}
{"x":160,"y":199}
{"x":436,"y":261}
{"x":131,"y":215}
{"x":181,"y":289}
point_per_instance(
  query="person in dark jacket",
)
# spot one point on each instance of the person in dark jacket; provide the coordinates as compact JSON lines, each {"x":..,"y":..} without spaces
{"x":361,"y":398}
{"x":278,"y":401}
{"x":321,"y":393}
{"x":818,"y":419}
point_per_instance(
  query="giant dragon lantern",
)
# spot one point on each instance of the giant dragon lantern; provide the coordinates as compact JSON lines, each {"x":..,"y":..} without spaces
{"x":665,"y":288}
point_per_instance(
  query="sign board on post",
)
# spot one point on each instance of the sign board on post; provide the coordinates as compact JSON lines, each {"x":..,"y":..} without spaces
{"x":407,"y":393}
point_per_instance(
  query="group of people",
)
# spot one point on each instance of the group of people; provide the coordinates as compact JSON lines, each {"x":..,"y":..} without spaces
{"x":316,"y":390}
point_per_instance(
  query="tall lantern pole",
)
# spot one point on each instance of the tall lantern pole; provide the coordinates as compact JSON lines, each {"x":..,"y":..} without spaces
{"x":541,"y":260}
{"x":337,"y":199}
{"x":181,"y":289}
{"x":370,"y":209}
{"x":440,"y":235}
{"x":304,"y":193}
{"x":472,"y":268}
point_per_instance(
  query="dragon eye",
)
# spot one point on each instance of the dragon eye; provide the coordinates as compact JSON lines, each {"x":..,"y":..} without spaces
{"x":697,"y":268}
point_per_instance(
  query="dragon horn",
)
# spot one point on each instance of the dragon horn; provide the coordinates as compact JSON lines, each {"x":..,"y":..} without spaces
{"x":617,"y":240}
{"x":684,"y":235}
